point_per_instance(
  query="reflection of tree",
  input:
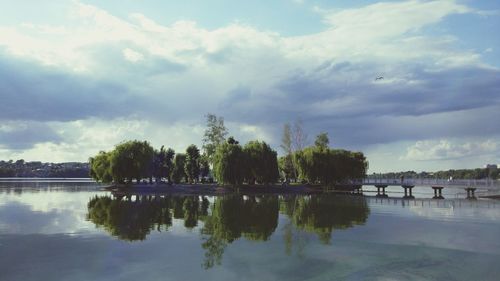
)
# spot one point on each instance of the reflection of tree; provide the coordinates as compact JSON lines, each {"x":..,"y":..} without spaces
{"x":234,"y":216}
{"x":322,"y":214}
{"x":134,"y":220}
{"x":129,"y":220}
{"x":230,"y":218}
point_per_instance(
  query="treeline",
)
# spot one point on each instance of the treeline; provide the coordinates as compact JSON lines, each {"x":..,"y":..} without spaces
{"x":228,"y":162}
{"x":21,"y":168}
{"x":479,"y":173}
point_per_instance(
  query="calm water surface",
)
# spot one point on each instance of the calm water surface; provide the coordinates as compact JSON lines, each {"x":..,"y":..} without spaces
{"x":74,"y":231}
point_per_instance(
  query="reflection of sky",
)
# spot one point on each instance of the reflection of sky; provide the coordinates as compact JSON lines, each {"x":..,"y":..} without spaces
{"x":46,"y":212}
{"x":436,"y":240}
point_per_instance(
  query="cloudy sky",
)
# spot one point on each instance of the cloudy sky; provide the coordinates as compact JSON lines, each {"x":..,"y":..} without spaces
{"x":77,"y":77}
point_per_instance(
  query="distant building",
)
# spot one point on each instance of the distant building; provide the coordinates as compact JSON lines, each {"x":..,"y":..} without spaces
{"x":491,"y":166}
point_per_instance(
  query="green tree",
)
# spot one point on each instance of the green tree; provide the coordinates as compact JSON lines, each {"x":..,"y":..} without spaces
{"x":131,"y":160}
{"x":179,"y":172}
{"x":288,"y":165}
{"x":229,"y":164}
{"x":330,"y":166}
{"x":204,"y":166}
{"x":162,"y":163}
{"x":215,"y":134}
{"x":322,"y":140}
{"x":169,"y":163}
{"x":192,"y":164}
{"x":100,"y":167}
{"x":262,"y":163}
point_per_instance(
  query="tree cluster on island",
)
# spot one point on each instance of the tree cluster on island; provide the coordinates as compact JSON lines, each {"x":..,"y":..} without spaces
{"x":229,"y":162}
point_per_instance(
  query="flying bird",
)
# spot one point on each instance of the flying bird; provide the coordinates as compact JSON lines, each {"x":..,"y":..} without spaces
{"x":379,"y":78}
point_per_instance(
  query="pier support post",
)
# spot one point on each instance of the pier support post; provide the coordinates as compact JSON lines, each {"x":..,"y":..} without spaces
{"x":383,"y":190}
{"x":437,"y":192}
{"x":408,"y":189}
{"x":357,"y":190}
{"x":470,"y":192}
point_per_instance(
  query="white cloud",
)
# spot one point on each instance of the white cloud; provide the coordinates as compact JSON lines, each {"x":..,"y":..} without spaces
{"x":446,"y":149}
{"x":183,"y":70}
{"x":132,"y":55}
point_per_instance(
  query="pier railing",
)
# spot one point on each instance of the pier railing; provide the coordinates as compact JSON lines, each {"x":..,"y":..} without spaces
{"x":459,"y":183}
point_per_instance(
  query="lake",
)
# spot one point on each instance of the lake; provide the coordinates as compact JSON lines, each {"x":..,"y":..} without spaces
{"x":74,"y":230}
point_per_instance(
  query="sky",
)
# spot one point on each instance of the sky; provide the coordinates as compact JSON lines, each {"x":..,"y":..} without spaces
{"x":77,"y":77}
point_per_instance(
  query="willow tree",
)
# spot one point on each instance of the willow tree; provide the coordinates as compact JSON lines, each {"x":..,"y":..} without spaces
{"x":131,"y":160}
{"x":192,"y":164}
{"x":262,"y":163}
{"x":100,"y":167}
{"x":179,"y":172}
{"x":330,"y":166}
{"x":229,"y":163}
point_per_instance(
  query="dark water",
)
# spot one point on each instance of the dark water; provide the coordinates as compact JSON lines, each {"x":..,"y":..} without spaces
{"x":73,"y":231}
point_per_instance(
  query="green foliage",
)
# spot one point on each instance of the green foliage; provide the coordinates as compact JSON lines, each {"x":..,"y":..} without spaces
{"x":262,"y":164}
{"x":214,"y":136}
{"x":179,"y":172}
{"x":204,"y":166}
{"x":163,"y":163}
{"x":229,"y":164}
{"x":131,"y":160}
{"x":6,"y":172}
{"x":330,"y":166}
{"x":100,"y":167}
{"x":192,"y":164}
{"x":286,"y":167}
{"x":322,"y":141}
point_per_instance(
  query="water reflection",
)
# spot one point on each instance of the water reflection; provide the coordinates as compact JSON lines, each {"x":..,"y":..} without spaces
{"x":322,"y":214}
{"x":234,"y":216}
{"x":134,"y":220}
{"x":228,"y":218}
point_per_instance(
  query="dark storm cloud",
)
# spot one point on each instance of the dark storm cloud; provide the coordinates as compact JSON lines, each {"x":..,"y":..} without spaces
{"x":32,"y":92}
{"x":26,"y":135}
{"x":410,"y":103}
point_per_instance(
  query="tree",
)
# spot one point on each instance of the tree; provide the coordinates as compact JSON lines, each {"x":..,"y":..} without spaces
{"x":286,"y":167}
{"x":330,"y":166}
{"x":131,"y":160}
{"x":299,"y":137}
{"x":100,"y":167}
{"x":163,"y":163}
{"x":204,"y":166}
{"x":229,"y":164}
{"x":179,"y":172}
{"x":262,"y":163}
{"x":169,"y":163}
{"x":215,"y":135}
{"x":287,"y":147}
{"x":192,"y":165}
{"x":159,"y":163}
{"x":322,"y":141}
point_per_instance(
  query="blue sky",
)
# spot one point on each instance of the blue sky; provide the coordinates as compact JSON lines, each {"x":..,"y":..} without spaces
{"x":77,"y":77}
